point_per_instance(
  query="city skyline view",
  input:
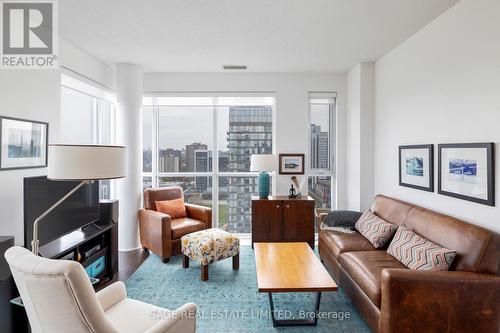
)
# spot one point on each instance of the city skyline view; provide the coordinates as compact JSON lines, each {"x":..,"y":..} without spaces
{"x":186,"y":144}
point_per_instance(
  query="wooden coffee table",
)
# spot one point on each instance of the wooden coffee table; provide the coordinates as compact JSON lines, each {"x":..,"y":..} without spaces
{"x":291,"y":267}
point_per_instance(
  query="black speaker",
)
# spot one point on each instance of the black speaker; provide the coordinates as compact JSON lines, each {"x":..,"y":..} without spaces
{"x":108,"y":212}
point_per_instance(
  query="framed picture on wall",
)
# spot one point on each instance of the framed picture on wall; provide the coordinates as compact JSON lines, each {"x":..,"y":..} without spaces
{"x":416,"y":167}
{"x":291,"y":164}
{"x":467,"y":171}
{"x":23,"y":143}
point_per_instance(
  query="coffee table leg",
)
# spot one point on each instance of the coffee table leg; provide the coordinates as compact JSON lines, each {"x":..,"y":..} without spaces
{"x":185,"y":261}
{"x":236,"y":261}
{"x":204,"y":272}
{"x":295,"y":322}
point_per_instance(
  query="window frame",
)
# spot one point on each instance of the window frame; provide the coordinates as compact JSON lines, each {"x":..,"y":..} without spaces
{"x":332,"y":135}
{"x":153,"y":101}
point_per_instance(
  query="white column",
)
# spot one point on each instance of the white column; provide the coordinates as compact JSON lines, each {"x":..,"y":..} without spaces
{"x":360,"y":136}
{"x":129,"y":134}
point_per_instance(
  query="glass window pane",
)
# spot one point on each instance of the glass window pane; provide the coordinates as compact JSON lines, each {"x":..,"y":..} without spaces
{"x":185,"y":139}
{"x":104,"y":112}
{"x":76,"y":117}
{"x":235,"y":203}
{"x":197,"y":190}
{"x":147,"y":182}
{"x":243,"y":131}
{"x":147,"y":139}
{"x":319,"y":136}
{"x":320,"y":189}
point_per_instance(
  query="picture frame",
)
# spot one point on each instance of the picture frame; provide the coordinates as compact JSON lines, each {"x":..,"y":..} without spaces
{"x":467,"y":171}
{"x":416,"y":167}
{"x":23,"y":143}
{"x":291,"y":164}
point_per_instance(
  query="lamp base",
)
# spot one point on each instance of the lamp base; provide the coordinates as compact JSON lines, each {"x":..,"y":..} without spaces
{"x":263,"y":184}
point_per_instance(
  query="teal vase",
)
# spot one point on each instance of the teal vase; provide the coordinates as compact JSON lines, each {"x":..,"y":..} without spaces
{"x":263,"y":185}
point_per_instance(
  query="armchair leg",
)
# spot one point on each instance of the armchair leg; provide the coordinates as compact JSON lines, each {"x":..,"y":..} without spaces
{"x":185,"y":261}
{"x":236,"y":261}
{"x":165,"y":260}
{"x":204,"y":272}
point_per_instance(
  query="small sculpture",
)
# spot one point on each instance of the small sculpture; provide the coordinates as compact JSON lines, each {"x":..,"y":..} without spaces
{"x":292,"y":193}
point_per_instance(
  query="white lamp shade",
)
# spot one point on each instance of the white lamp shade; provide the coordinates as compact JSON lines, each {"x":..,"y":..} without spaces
{"x":86,"y":162}
{"x":264,"y":162}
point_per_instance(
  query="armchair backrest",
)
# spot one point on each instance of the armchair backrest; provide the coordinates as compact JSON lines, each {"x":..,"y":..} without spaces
{"x":159,"y":194}
{"x":57,"y":294}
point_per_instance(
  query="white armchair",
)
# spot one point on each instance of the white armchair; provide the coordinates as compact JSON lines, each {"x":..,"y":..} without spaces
{"x":59,"y":298}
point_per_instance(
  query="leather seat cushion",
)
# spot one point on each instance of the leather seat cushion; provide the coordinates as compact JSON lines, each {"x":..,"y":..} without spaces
{"x":365,"y":269}
{"x":184,"y":226}
{"x":339,"y":242}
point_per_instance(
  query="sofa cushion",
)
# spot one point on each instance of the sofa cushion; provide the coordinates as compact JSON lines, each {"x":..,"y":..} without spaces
{"x":375,"y":229}
{"x":416,"y":252}
{"x":184,"y":226}
{"x":365,"y":269}
{"x":339,"y":242}
{"x":174,"y":208}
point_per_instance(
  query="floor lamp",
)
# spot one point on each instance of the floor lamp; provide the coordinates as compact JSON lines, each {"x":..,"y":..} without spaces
{"x":84,"y":163}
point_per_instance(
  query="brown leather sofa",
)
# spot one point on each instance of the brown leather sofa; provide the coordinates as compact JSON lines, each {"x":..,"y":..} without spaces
{"x":393,"y":298}
{"x":161,"y":234}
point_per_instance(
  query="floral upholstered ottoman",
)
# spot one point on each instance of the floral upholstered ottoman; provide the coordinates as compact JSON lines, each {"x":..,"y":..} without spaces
{"x":208,"y":246}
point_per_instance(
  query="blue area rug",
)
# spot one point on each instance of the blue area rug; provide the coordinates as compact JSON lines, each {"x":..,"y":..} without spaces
{"x":229,"y":301}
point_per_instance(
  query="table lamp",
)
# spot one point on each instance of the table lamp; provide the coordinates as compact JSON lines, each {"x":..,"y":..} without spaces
{"x":84,"y":163}
{"x":262,"y":163}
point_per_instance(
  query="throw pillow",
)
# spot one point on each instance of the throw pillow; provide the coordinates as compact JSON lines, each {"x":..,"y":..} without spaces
{"x":416,"y":252}
{"x":375,"y":229}
{"x":175,"y":208}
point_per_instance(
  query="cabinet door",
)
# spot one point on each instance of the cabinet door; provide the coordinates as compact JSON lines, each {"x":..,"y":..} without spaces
{"x":266,"y":220}
{"x":298,"y":225}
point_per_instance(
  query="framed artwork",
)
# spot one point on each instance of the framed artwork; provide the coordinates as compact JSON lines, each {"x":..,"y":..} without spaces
{"x":23,"y":143}
{"x":466,"y":171}
{"x":291,"y":164}
{"x":416,"y":167}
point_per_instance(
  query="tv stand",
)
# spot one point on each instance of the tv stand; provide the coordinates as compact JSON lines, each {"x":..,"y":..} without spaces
{"x":74,"y":245}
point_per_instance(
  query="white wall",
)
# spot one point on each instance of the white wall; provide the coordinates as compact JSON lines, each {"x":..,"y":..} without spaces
{"x":440,"y":86}
{"x":360,"y":136}
{"x":33,"y":95}
{"x":292,"y":109}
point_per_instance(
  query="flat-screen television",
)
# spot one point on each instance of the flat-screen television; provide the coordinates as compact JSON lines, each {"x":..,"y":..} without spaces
{"x":79,"y":210}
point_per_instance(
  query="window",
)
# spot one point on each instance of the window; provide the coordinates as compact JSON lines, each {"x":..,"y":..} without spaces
{"x":204,"y":144}
{"x":87,"y":117}
{"x":322,"y":115}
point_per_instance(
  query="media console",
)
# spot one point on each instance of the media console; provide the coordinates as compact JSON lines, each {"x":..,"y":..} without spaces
{"x":90,"y":244}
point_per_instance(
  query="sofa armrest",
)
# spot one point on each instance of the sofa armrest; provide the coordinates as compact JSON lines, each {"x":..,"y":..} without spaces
{"x":342,"y":218}
{"x":200,"y":213}
{"x":111,"y":295}
{"x":430,"y":301}
{"x":182,"y":320}
{"x":155,"y":231}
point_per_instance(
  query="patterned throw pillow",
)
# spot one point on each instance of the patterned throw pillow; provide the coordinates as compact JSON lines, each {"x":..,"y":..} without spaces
{"x":416,"y":252}
{"x":375,"y":229}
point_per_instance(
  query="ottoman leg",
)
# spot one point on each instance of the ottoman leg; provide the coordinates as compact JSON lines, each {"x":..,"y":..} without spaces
{"x":236,"y":261}
{"x":204,"y":272}
{"x":185,"y":261}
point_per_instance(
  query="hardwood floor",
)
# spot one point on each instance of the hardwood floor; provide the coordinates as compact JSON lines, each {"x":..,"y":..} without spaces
{"x":128,"y":262}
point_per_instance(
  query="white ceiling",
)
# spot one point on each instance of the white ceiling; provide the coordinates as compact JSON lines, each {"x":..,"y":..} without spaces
{"x":266,"y":35}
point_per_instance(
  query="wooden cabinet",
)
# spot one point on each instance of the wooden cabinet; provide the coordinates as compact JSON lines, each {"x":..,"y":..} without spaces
{"x":279,"y":219}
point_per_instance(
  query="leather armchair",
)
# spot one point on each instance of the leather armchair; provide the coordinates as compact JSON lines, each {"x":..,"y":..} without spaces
{"x":59,"y":298}
{"x":159,"y":232}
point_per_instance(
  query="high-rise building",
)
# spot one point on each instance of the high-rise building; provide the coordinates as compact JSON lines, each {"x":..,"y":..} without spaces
{"x":203,"y":163}
{"x":250,"y":132}
{"x":169,"y":160}
{"x":190,"y":158}
{"x":319,"y":148}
